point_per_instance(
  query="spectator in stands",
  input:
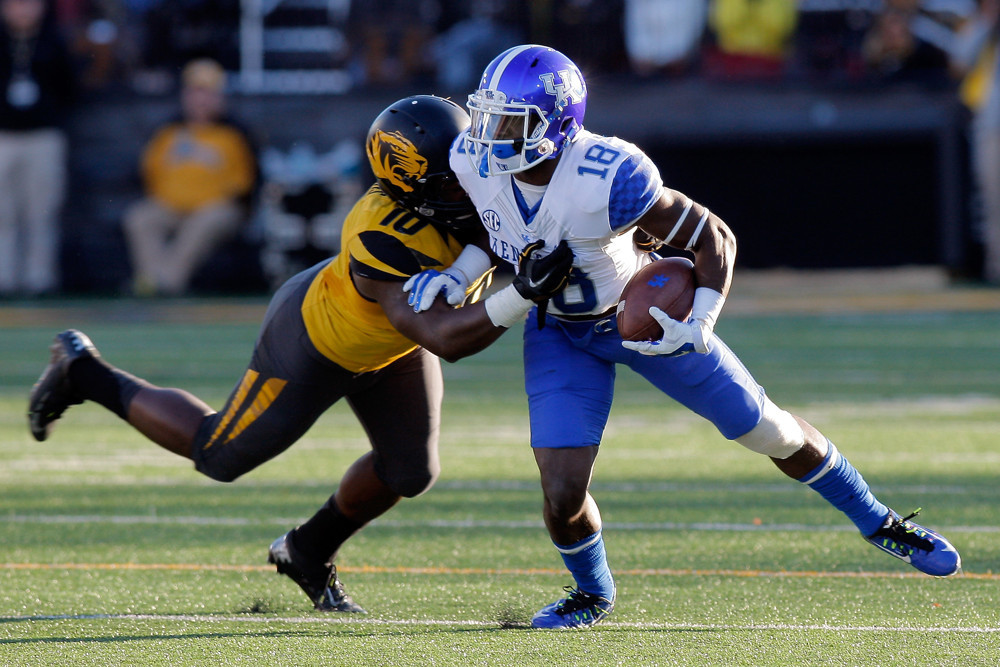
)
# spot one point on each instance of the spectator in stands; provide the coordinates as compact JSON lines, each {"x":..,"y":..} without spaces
{"x":93,"y":30}
{"x":892,"y":52}
{"x":664,"y":36}
{"x":477,"y":30}
{"x":827,"y":41}
{"x":391,"y":39}
{"x":37,"y":79}
{"x":975,"y":58}
{"x":199,"y":174}
{"x":752,"y":38}
{"x":590,"y":31}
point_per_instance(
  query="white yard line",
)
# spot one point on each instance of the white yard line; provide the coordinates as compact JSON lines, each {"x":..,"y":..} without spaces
{"x":426,"y":622}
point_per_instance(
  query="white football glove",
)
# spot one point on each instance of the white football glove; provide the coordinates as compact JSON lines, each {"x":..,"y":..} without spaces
{"x":426,"y":285}
{"x":679,"y":338}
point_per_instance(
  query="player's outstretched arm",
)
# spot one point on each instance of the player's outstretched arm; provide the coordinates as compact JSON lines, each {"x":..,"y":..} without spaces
{"x":454,"y":333}
{"x":450,"y":333}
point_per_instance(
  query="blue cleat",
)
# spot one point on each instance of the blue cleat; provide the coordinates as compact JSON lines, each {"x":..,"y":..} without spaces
{"x":579,"y":610}
{"x":921,"y":547}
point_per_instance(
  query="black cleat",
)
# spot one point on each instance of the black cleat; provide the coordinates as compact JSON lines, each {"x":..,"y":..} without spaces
{"x":53,"y":393}
{"x":320,"y":582}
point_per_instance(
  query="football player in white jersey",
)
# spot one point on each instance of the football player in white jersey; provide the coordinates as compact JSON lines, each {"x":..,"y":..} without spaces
{"x":534,"y":173}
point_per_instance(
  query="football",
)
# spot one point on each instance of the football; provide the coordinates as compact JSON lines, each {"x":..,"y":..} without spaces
{"x":667,"y":284}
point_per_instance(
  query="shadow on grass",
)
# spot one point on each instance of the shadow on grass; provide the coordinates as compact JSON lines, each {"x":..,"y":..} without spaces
{"x":139,"y":638}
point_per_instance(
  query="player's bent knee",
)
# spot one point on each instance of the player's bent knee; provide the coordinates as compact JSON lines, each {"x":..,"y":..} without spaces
{"x":220,"y":474}
{"x":777,"y":434}
{"x":411,"y":486}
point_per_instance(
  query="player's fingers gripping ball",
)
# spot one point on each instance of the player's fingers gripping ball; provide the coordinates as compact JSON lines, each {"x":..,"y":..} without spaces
{"x":678,"y":337}
{"x":662,"y":311}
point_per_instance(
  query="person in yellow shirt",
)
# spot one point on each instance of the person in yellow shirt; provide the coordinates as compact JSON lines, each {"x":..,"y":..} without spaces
{"x":752,"y":37}
{"x":344,"y":328}
{"x":199,"y":172}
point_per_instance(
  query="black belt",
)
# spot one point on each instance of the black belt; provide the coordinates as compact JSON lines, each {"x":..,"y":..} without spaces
{"x":587,"y":318}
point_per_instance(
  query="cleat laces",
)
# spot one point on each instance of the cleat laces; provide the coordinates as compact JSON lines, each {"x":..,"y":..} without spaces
{"x":581,"y":606}
{"x":921,"y":547}
{"x":901,"y":535}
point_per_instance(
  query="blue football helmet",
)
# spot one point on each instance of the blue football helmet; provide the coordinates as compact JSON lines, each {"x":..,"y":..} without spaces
{"x":530,"y":102}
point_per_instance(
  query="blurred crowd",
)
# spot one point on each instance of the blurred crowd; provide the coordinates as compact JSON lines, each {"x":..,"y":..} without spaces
{"x":144,"y":43}
{"x":54,"y":50}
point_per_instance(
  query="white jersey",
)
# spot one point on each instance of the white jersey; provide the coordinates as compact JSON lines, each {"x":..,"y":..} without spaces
{"x":600,"y":187}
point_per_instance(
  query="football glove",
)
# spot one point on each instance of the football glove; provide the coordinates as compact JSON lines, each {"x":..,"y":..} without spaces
{"x":425,"y":286}
{"x":453,"y":282}
{"x":645,"y":242}
{"x":680,"y":338}
{"x":542,"y":276}
{"x":539,"y":278}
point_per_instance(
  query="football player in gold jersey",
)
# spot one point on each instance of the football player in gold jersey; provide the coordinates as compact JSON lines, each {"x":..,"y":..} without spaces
{"x":342,"y":329}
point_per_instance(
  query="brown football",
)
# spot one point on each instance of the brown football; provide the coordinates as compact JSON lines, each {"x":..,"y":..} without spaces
{"x":667,"y":284}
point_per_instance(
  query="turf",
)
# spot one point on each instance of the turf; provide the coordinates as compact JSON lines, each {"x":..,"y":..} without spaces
{"x":118,"y":553}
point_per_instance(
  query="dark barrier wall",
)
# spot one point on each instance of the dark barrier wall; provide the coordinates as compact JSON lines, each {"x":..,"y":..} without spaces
{"x":849,"y":203}
{"x":812,"y":178}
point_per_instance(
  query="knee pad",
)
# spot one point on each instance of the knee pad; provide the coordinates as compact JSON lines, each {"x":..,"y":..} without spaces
{"x":777,"y":434}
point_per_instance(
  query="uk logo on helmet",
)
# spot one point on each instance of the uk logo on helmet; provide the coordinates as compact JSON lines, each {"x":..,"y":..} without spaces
{"x":570,"y":86}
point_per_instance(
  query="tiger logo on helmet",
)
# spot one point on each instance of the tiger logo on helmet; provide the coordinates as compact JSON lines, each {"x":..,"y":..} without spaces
{"x":407,"y":147}
{"x":395,"y":159}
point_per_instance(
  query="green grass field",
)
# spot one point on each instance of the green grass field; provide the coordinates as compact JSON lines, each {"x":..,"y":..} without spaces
{"x":118,"y":553}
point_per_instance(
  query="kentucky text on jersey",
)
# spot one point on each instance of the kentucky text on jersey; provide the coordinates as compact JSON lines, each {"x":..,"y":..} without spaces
{"x":504,"y":250}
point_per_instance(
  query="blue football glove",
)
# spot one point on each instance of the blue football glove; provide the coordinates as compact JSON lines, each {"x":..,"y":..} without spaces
{"x":425,"y":286}
{"x":678,"y":337}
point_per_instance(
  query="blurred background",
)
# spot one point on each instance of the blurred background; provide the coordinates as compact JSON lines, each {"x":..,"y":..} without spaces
{"x":827,"y":133}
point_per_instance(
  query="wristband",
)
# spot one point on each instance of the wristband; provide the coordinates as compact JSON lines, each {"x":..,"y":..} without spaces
{"x":471,"y":263}
{"x":506,"y":308}
{"x":707,"y":305}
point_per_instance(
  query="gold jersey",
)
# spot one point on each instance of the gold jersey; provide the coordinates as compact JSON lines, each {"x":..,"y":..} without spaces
{"x":380,"y":241}
{"x":188,"y":167}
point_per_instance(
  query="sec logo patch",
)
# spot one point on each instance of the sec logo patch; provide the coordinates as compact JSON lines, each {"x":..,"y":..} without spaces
{"x":492,"y":220}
